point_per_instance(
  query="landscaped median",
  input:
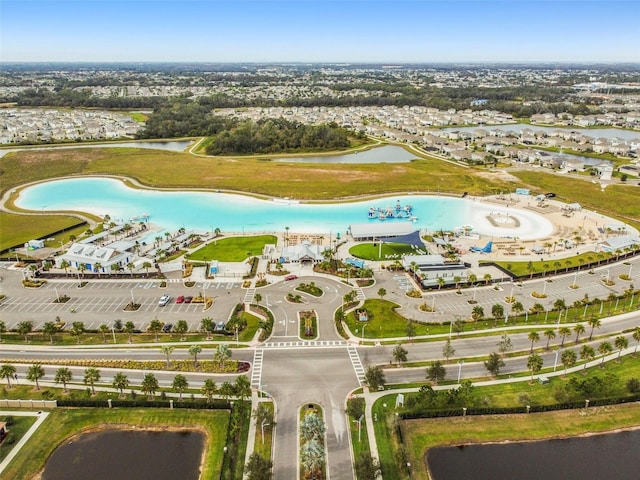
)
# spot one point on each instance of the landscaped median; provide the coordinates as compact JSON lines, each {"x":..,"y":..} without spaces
{"x":312,"y":439}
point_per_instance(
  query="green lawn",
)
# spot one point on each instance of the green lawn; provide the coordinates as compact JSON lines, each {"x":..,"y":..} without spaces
{"x":18,"y":229}
{"x":233,"y":249}
{"x":584,"y":260}
{"x":264,"y":447}
{"x":17,"y":430}
{"x":387,"y":252}
{"x":64,"y":423}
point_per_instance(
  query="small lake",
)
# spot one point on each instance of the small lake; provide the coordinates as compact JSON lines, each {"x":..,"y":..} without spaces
{"x":607,"y":456}
{"x":385,"y":154}
{"x":128,"y":455}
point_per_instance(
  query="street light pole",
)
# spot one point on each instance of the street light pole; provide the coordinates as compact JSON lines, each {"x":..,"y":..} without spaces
{"x":363,"y":327}
{"x":460,"y":369}
{"x":555,"y":363}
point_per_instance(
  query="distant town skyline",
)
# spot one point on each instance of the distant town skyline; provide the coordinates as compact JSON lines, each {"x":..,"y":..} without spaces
{"x":332,"y":31}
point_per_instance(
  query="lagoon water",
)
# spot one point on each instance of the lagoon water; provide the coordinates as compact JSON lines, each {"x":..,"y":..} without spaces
{"x":607,"y":456}
{"x":206,"y":211}
{"x":128,"y":455}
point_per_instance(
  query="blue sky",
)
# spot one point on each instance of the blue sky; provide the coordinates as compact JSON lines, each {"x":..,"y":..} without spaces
{"x":320,"y":31}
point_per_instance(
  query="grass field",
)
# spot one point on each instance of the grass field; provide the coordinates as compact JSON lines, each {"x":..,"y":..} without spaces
{"x":16,"y":432}
{"x":521,"y":269}
{"x":65,"y":423}
{"x":178,"y":169}
{"x":233,"y":249}
{"x":384,"y":252}
{"x":18,"y":229}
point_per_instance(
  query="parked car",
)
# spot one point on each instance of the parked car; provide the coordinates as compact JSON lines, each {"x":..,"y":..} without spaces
{"x":290,"y":277}
{"x":164,"y":299}
{"x":166,"y":328}
{"x":188,"y":299}
{"x":180,"y":299}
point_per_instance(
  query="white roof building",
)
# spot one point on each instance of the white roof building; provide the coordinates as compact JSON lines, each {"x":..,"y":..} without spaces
{"x":303,"y":252}
{"x":89,"y":255}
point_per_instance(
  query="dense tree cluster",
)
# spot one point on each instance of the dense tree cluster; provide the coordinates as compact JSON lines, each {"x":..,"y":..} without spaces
{"x":182,"y":118}
{"x":277,"y":136}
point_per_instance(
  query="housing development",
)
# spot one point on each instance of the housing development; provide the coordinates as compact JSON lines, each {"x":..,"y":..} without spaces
{"x":314,"y":270}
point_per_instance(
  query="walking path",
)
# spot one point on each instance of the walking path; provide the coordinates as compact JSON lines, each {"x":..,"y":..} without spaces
{"x":42,"y":416}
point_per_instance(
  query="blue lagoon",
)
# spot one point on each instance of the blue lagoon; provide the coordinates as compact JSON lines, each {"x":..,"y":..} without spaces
{"x":206,"y":211}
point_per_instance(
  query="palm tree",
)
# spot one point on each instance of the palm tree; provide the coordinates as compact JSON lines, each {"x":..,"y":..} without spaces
{"x":147,"y":265}
{"x":381,"y":293}
{"x":487,"y":278}
{"x":587,"y":353}
{"x":441,"y":282}
{"x":98,"y":268}
{"x":564,"y":332}
{"x":129,"y":328}
{"x":497,"y":310}
{"x":258,"y":298}
{"x":25,"y":328}
{"x":50,"y":328}
{"x":149,"y":385}
{"x":7,"y":371}
{"x":194,"y":350}
{"x":222,"y":354}
{"x":534,"y":364}
{"x":181,"y":328}
{"x":604,"y":349}
{"x":399,"y":354}
{"x":35,"y":373}
{"x":593,"y":323}
{"x":578,"y":328}
{"x":209,"y":389}
{"x":81,"y":269}
{"x":621,"y":343}
{"x":534,"y":337}
{"x":636,"y":337}
{"x":63,"y":375}
{"x":242,"y":387}
{"x":557,"y":266}
{"x":155,"y":326}
{"x":569,"y":358}
{"x":65,"y":265}
{"x":312,"y":458}
{"x":477,"y":313}
{"x":517,"y":308}
{"x":120,"y":382}
{"x":77,"y":329}
{"x":226,"y":390}
{"x":104,"y":329}
{"x":91,"y":376}
{"x":167,"y":351}
{"x":550,"y":333}
{"x":130,"y":266}
{"x":180,"y":384}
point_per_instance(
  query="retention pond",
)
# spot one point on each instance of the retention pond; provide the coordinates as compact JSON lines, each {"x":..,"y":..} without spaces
{"x":596,"y":457}
{"x":128,"y":455}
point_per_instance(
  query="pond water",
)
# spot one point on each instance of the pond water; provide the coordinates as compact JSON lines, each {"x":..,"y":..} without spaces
{"x":607,"y":456}
{"x":385,"y":154}
{"x":589,"y":161}
{"x":206,"y":211}
{"x":128,"y":455}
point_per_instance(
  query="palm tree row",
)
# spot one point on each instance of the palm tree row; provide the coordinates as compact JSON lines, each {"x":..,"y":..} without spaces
{"x":240,"y":389}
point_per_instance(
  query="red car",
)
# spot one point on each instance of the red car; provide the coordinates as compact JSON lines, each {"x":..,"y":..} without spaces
{"x":180,"y":299}
{"x":188,"y":299}
{"x":290,"y":277}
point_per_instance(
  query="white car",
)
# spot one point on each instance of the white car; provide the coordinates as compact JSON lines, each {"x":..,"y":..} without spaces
{"x":164,"y":299}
